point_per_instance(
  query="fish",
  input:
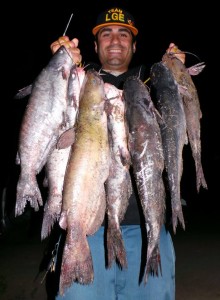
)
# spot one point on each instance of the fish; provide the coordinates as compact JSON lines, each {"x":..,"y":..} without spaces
{"x":118,"y":184}
{"x":147,"y":159}
{"x":169,"y":103}
{"x":56,"y":163}
{"x":45,"y":114}
{"x":191,"y":104}
{"x":55,"y":170}
{"x":84,"y":199}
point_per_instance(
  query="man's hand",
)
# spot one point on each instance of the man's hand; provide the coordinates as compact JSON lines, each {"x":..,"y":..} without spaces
{"x":70,"y":45}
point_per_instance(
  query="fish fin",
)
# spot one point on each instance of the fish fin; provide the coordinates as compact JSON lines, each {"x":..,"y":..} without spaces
{"x":184,"y":92}
{"x":28,"y":192}
{"x":45,"y":182}
{"x":153,"y":266}
{"x":76,"y":262}
{"x":47,"y":225}
{"x":63,"y":220}
{"x":177,"y":215}
{"x":17,"y":159}
{"x":125,"y":157}
{"x":66,"y":139}
{"x":159,"y":117}
{"x":196,"y":69}
{"x":115,"y":247}
{"x":24,"y":92}
{"x":51,"y":215}
{"x":200,"y":178}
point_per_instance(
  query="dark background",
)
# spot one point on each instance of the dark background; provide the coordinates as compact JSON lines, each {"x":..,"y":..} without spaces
{"x":29,"y":29}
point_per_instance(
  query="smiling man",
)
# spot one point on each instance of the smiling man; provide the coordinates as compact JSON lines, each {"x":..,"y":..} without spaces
{"x":115,"y":44}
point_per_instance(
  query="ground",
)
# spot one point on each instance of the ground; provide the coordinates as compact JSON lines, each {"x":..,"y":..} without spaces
{"x":22,"y":260}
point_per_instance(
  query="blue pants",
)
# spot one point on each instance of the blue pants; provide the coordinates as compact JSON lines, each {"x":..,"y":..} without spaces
{"x":123,"y":284}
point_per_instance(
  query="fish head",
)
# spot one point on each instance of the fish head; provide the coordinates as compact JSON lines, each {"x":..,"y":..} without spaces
{"x":174,"y":52}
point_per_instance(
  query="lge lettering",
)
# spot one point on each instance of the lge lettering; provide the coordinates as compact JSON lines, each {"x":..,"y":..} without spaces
{"x":115,"y":17}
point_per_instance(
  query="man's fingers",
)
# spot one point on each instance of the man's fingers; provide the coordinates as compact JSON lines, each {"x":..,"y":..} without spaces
{"x":71,"y":45}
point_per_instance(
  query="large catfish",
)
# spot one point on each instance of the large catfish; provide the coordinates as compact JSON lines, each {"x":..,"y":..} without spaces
{"x":84,"y":200}
{"x":55,"y":166}
{"x":173,"y":131}
{"x":45,"y":115}
{"x":118,"y":184}
{"x":145,"y":146}
{"x":191,"y":104}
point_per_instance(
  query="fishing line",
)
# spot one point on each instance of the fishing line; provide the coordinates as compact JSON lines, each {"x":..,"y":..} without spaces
{"x":68,"y":24}
{"x":192,"y":54}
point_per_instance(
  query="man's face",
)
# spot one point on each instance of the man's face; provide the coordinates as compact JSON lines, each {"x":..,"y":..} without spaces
{"x":115,"y":48}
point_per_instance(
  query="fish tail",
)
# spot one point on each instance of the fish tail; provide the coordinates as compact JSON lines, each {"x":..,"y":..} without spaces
{"x":115,"y":247}
{"x":153,"y":265}
{"x":47,"y":224}
{"x":28,"y":192}
{"x":52,"y":211}
{"x":177,"y":215}
{"x":200,"y":178}
{"x":76,"y":262}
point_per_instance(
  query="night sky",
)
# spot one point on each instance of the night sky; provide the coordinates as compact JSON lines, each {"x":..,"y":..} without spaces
{"x":30,"y":30}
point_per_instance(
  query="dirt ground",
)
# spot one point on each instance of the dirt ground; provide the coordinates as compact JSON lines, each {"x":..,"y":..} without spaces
{"x":22,"y":255}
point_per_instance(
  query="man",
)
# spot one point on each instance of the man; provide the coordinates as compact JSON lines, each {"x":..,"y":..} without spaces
{"x":115,"y":45}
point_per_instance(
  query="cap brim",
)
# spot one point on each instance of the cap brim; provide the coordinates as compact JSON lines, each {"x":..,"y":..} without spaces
{"x":98,"y":27}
